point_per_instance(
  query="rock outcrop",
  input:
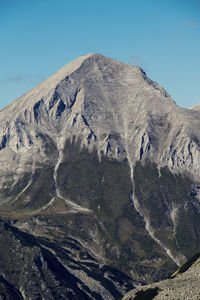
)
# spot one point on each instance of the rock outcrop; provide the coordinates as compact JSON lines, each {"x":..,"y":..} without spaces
{"x":183,"y":285}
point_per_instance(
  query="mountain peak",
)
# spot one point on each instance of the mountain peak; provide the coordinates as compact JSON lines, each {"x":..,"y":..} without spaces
{"x":93,"y":63}
{"x":51,"y":82}
{"x":95,"y":86}
{"x":100,"y":144}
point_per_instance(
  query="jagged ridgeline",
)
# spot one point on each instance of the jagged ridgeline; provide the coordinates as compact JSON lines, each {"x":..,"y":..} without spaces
{"x":99,"y":183}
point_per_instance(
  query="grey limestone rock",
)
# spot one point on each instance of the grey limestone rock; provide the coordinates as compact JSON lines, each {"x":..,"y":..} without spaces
{"x":103,"y":145}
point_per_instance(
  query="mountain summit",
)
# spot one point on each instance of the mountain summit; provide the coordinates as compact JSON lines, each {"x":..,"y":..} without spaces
{"x":101,"y":154}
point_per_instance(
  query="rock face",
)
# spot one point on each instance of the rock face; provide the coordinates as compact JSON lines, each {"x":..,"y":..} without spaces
{"x":184,"y":284}
{"x":101,"y":153}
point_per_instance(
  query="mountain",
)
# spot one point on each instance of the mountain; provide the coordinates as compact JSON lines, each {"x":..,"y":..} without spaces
{"x":100,"y":154}
{"x":196,"y":107}
{"x":34,"y":267}
{"x":184,"y":284}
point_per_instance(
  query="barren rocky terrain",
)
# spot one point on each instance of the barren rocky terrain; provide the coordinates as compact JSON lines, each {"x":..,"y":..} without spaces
{"x":97,"y":159}
{"x":183,"y":285}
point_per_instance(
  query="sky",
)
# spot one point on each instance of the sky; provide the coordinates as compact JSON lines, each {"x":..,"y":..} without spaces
{"x":38,"y":37}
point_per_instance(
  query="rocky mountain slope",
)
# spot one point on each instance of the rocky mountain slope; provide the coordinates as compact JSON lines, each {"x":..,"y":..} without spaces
{"x":183,"y":285}
{"x":100,"y":153}
{"x":39,"y":268}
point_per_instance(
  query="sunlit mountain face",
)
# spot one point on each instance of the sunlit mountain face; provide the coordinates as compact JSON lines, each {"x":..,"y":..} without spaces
{"x":99,"y":186}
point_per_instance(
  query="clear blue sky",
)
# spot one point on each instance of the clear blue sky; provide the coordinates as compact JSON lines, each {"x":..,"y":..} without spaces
{"x":40,"y":36}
